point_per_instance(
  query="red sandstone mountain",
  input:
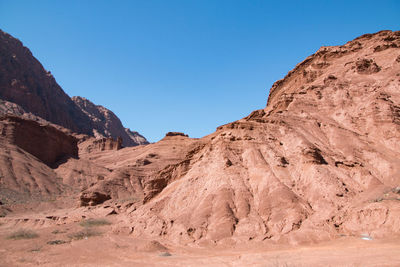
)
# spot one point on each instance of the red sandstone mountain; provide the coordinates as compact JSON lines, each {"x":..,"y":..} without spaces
{"x":29,"y":151}
{"x":25,"y":82}
{"x":321,"y":161}
{"x":106,"y":123}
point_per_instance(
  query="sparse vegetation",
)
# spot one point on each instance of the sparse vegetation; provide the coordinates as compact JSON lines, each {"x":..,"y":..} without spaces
{"x":379,"y":199}
{"x":389,"y":194}
{"x":94,"y":222}
{"x":165,"y":254}
{"x":83,"y":234}
{"x":56,"y":242}
{"x":23,"y":234}
{"x":58,"y":232}
{"x":36,"y":249}
{"x":396,"y":190}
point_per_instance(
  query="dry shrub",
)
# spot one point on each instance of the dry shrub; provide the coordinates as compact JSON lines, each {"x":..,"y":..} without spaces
{"x":83,"y":234}
{"x":23,"y":234}
{"x":94,"y":222}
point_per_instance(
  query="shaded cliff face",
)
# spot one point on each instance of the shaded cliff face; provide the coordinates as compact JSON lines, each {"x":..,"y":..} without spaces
{"x":29,"y":151}
{"x":106,"y":123}
{"x":45,"y":142}
{"x":321,"y":160}
{"x":26,"y":83}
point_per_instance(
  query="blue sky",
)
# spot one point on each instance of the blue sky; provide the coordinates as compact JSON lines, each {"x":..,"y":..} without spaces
{"x":185,"y":66}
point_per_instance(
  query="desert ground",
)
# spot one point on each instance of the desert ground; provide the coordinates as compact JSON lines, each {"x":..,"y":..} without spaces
{"x":56,"y":245}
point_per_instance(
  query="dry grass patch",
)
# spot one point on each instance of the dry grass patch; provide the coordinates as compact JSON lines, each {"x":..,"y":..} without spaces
{"x":94,"y":222}
{"x":58,"y":232}
{"x":23,"y":234}
{"x":56,"y":242}
{"x":165,"y":254}
{"x":84,"y":234}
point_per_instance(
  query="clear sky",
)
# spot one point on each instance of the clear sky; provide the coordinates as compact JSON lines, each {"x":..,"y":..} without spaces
{"x":188,"y":65}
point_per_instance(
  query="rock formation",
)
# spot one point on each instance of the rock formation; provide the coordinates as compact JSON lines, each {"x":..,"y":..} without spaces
{"x":322,"y":159}
{"x":42,"y":141}
{"x":25,"y":82}
{"x":176,"y":134}
{"x":100,"y":144}
{"x":29,"y":150}
{"x":24,"y":178}
{"x":34,"y":90}
{"x":137,"y":173}
{"x":106,"y":123}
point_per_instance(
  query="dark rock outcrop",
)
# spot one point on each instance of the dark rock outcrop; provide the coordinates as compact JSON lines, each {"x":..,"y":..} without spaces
{"x":45,"y":142}
{"x":176,"y":134}
{"x":107,"y":124}
{"x":93,"y":198}
{"x":100,"y":144}
{"x":24,"y":82}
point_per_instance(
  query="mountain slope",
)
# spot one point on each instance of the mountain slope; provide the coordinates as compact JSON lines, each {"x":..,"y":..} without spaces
{"x":29,"y":151}
{"x":25,"y":82}
{"x":106,"y":123}
{"x":321,"y":160}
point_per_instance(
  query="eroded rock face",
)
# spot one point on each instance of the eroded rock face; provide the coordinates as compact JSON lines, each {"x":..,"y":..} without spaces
{"x":367,"y":66}
{"x":25,"y":82}
{"x":176,"y":134}
{"x":93,"y":198}
{"x":43,"y":141}
{"x":138,"y":173}
{"x":25,"y":178}
{"x":35,"y":92}
{"x":28,"y":153}
{"x":100,"y":144}
{"x":107,"y":124}
{"x":317,"y":162}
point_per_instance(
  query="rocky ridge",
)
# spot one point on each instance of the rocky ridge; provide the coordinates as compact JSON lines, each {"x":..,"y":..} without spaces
{"x":35,"y":91}
{"x":106,"y":123}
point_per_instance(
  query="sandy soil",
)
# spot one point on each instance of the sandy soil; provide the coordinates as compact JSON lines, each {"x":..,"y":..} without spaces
{"x":111,"y":249}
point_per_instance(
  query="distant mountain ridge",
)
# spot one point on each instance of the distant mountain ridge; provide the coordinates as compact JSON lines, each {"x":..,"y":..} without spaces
{"x":25,"y":82}
{"x":106,"y":123}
